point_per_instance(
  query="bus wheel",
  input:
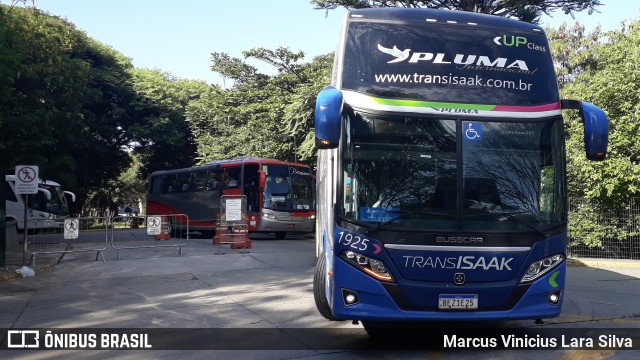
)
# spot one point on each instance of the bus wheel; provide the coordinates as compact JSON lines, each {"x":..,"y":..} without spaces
{"x":319,"y":294}
{"x":280,"y":234}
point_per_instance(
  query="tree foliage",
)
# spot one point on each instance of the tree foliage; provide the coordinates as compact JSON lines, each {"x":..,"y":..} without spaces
{"x":260,"y":115}
{"x":613,"y":83}
{"x":80,"y":111}
{"x":525,"y":10}
{"x":600,"y":68}
{"x":62,"y":95}
{"x":74,"y":107}
{"x":163,"y":139}
{"x":572,"y":50}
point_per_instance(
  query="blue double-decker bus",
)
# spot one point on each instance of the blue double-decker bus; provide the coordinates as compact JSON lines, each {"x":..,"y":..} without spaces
{"x":441,"y":180}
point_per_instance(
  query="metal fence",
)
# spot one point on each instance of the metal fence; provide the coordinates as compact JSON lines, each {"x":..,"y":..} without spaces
{"x":77,"y":235}
{"x":147,"y":232}
{"x":596,"y":231}
{"x":93,"y":234}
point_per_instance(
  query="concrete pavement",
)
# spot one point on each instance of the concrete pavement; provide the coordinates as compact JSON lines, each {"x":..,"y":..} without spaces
{"x":270,"y":287}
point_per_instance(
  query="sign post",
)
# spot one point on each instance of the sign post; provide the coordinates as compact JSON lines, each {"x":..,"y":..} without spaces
{"x":26,"y":183}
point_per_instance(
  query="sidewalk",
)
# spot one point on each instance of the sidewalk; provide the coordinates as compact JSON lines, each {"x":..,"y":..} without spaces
{"x":15,"y":259}
{"x":605,"y":263}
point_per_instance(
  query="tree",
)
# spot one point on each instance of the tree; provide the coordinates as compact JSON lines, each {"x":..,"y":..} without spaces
{"x":163,"y":139}
{"x":260,"y":115}
{"x":299,"y":114}
{"x":74,"y":106}
{"x":600,"y":191}
{"x":572,"y":50}
{"x":525,"y":10}
{"x":613,"y":83}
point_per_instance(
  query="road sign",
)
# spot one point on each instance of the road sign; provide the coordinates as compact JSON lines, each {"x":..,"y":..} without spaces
{"x":154,"y":225}
{"x":27,"y":179}
{"x":71,"y":228}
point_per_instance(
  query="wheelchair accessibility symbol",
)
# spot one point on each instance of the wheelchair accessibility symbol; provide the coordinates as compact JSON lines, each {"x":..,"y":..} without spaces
{"x":472,"y":131}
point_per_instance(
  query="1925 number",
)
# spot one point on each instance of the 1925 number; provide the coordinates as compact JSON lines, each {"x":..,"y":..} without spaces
{"x":353,"y":241}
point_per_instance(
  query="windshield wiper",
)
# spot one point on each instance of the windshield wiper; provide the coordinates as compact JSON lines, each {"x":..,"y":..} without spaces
{"x":510,"y":216}
{"x":353,"y":221}
{"x":404,"y":214}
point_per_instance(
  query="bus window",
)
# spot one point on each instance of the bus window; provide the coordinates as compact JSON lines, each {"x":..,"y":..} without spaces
{"x":301,"y":193}
{"x":168,"y":184}
{"x":198,"y":180}
{"x":183,"y":182}
{"x":155,"y":185}
{"x":232,"y":178}
{"x":213,"y":180}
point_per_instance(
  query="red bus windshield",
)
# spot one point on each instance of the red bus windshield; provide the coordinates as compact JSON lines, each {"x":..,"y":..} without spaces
{"x":288,"y":188}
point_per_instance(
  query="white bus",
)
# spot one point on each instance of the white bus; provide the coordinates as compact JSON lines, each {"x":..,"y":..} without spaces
{"x":47,"y":209}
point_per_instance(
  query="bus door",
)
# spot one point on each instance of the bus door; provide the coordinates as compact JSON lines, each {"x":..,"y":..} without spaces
{"x":250,"y":186}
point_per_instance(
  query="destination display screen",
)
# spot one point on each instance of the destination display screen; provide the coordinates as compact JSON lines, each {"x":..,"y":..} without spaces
{"x":450,"y":63}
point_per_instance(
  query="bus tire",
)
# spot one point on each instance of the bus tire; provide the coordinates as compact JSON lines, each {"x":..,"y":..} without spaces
{"x":280,"y":235}
{"x":319,"y":294}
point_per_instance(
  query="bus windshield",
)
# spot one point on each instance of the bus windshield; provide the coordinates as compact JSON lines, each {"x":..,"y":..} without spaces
{"x":57,"y":205}
{"x":425,"y":173}
{"x":288,"y":188}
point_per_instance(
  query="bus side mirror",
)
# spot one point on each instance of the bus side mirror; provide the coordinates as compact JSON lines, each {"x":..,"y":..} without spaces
{"x":328,"y":118}
{"x":71,"y":195}
{"x":596,"y":128}
{"x":47,"y":193}
{"x":262,"y":181}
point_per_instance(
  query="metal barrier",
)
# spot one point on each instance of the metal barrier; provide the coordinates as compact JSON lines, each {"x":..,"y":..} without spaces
{"x":149,"y":231}
{"x":198,"y":228}
{"x":602,"y":232}
{"x":75,"y":235}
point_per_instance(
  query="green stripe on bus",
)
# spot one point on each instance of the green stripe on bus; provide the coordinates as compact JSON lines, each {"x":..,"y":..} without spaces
{"x":417,"y":103}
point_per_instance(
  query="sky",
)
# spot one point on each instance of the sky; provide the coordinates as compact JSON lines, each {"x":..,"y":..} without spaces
{"x":179,"y":37}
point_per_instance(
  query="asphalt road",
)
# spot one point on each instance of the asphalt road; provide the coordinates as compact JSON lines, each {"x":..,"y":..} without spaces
{"x":235,"y":300}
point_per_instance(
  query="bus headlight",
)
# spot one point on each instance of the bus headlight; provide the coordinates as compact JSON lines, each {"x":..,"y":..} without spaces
{"x":541,"y":267}
{"x":373,"y":267}
{"x":311,"y":217}
{"x":268,"y":216}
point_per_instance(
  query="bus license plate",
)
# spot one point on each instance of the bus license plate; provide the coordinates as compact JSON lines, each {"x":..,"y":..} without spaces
{"x":458,"y":302}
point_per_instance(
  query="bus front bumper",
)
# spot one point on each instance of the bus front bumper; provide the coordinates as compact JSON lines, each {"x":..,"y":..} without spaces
{"x":375,"y":303}
{"x":303,"y":224}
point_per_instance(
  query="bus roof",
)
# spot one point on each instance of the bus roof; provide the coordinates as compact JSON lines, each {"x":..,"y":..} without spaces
{"x":448,"y":17}
{"x":250,"y":159}
{"x":226,"y":163}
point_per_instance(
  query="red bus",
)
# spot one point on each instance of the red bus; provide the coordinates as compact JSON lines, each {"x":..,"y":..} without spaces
{"x":280,"y":195}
